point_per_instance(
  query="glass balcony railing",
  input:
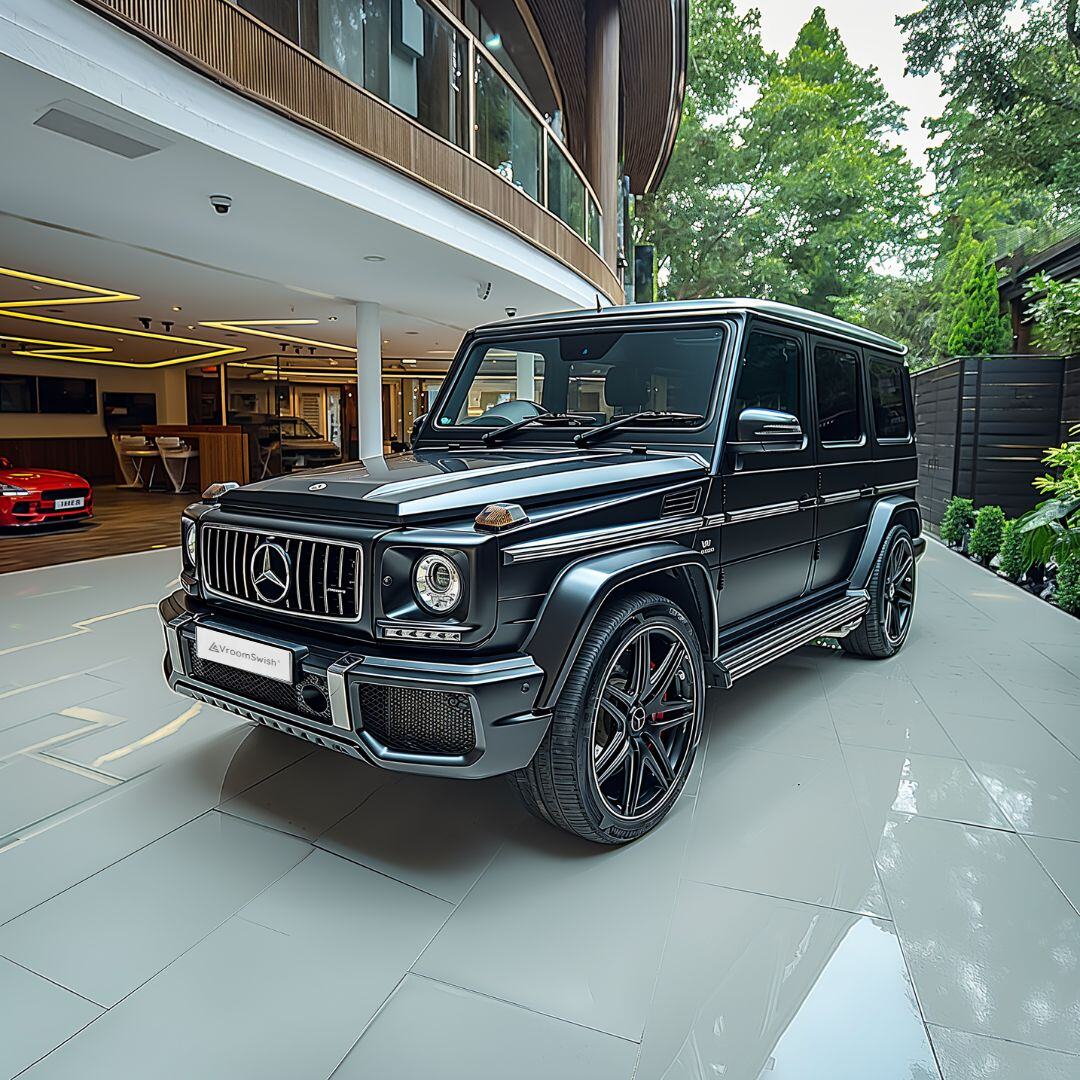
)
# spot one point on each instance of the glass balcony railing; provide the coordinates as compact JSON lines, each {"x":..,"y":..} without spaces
{"x":418,"y":59}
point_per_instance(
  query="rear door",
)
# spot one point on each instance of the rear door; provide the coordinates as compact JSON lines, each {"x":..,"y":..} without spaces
{"x":845,"y":477}
{"x":768,"y":534}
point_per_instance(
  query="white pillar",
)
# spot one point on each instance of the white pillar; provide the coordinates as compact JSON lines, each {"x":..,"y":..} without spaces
{"x":526,"y":376}
{"x":369,"y":379}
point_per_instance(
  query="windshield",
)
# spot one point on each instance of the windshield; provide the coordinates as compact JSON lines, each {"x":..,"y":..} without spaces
{"x":292,"y":427}
{"x":595,"y":376}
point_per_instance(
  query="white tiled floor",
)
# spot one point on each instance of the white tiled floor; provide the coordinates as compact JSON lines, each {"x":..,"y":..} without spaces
{"x":878,"y":875}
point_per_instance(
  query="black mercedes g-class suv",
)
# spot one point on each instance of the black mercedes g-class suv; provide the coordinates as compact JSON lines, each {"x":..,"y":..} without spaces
{"x":604,"y":513}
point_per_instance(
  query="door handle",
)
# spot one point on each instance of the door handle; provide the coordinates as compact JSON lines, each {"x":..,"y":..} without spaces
{"x":807,"y":502}
{"x":866,"y":492}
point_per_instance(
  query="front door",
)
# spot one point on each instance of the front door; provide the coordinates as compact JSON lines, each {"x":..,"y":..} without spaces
{"x":767,"y":539}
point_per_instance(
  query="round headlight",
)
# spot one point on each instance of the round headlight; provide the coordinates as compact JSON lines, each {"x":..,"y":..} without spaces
{"x":189,"y":544}
{"x":438,"y":583}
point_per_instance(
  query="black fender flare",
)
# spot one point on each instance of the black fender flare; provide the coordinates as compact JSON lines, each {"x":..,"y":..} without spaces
{"x":886,"y":511}
{"x":579,"y":592}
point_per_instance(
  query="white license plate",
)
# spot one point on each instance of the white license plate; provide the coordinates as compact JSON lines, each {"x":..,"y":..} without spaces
{"x":244,"y":654}
{"x":69,"y":504}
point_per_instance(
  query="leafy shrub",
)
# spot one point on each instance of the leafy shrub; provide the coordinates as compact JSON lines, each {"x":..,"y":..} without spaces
{"x":958,"y":520}
{"x":1067,"y":596}
{"x":1013,"y":563}
{"x":986,"y":537}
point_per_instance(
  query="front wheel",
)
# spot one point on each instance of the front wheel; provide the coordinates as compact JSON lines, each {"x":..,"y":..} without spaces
{"x":885,"y":626}
{"x":626,"y":726}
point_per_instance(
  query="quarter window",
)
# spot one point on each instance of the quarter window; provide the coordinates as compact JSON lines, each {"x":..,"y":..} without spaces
{"x":887,"y":399}
{"x":769,"y":375}
{"x":836,"y":379}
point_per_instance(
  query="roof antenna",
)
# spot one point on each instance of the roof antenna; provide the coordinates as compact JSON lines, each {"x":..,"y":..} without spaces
{"x":597,"y":303}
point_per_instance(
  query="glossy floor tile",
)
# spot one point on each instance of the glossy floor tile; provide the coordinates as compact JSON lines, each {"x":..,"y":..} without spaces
{"x":467,"y":1035}
{"x":752,"y":986}
{"x":992,"y":944}
{"x":963,"y":1056}
{"x":865,"y":852}
{"x":109,"y":934}
{"x":36,"y":1016}
{"x":784,"y":826}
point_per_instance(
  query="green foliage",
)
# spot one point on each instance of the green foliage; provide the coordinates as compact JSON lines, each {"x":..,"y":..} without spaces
{"x":958,"y":520}
{"x":969,"y":322}
{"x":1011,"y":82}
{"x":1051,"y":531}
{"x":1012,"y":564}
{"x":902,"y":308}
{"x":796,"y":196}
{"x":1067,"y":594}
{"x":1055,"y":307}
{"x":986,"y":536}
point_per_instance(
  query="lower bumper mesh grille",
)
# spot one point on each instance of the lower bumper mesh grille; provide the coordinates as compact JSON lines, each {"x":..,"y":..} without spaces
{"x":417,"y":721}
{"x":277,"y":695}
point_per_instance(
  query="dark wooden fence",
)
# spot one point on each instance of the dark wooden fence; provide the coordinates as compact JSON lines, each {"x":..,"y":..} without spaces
{"x":983,"y":424}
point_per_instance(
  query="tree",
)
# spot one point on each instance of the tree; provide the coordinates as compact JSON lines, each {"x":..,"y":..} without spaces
{"x":1055,"y":307}
{"x":969,"y":319}
{"x":798,"y":195}
{"x":900,"y":307}
{"x":1010,"y":72}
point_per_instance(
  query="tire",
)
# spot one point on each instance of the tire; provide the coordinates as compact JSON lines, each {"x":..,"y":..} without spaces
{"x":610,"y":779}
{"x":885,"y":626}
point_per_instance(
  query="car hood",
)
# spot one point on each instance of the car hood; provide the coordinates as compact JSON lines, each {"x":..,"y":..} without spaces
{"x":429,"y":485}
{"x":40,"y":478}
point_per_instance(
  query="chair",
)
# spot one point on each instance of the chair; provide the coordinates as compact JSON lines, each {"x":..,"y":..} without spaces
{"x":133,"y":452}
{"x":176,"y":457}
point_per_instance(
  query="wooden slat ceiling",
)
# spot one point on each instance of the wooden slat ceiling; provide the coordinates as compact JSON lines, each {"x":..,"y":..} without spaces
{"x":652,"y":62}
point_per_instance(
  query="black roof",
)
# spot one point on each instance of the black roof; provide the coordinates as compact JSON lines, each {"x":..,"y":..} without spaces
{"x":787,"y":313}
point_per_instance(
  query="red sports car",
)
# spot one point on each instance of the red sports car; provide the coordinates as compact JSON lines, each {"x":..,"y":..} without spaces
{"x":39,"y":496}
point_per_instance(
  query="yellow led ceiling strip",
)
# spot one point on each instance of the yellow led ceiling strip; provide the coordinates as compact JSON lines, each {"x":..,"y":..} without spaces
{"x":250,"y":326}
{"x":54,"y":350}
{"x":75,"y":351}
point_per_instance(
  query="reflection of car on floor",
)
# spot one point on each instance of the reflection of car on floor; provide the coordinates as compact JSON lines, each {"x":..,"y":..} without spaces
{"x":42,"y":496}
{"x":302,"y":447}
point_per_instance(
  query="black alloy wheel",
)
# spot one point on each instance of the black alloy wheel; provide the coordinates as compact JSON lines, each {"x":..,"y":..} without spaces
{"x":625,"y":729}
{"x":887,"y":621}
{"x":643,"y":722}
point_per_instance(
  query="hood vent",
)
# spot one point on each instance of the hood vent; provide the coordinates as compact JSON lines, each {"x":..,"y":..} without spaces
{"x":678,"y":503}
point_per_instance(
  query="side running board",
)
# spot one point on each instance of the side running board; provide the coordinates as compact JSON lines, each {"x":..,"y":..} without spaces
{"x":834,"y":619}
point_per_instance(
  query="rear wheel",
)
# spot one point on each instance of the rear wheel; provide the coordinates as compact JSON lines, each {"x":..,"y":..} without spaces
{"x":885,"y":626}
{"x":626,"y":726}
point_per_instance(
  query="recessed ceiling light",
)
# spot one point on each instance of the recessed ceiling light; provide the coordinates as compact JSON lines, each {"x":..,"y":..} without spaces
{"x":191,"y":326}
{"x":374,"y":258}
{"x":412,"y":333}
{"x":408,"y":360}
{"x":176,"y":307}
{"x":333,"y":318}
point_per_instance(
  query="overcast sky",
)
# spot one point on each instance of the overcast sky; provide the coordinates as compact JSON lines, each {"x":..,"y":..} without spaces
{"x":872,"y":39}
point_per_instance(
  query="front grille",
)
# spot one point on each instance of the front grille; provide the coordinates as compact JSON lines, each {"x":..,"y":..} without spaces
{"x":278,"y":695}
{"x":297,"y":575}
{"x":65,"y":493}
{"x":417,"y":721}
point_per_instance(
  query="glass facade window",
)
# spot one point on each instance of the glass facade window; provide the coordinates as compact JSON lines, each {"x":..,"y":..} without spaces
{"x":565,"y":191}
{"x":508,"y":136}
{"x":594,"y":224}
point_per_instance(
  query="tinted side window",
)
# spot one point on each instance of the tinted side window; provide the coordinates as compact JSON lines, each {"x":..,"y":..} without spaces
{"x":769,"y":375}
{"x":887,"y":398}
{"x":836,"y":379}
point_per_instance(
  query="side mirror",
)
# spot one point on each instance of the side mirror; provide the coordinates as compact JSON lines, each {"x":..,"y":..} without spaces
{"x":417,"y":424}
{"x":763,"y":430}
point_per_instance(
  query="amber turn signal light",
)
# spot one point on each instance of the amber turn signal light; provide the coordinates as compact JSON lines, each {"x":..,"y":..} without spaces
{"x":496,"y":516}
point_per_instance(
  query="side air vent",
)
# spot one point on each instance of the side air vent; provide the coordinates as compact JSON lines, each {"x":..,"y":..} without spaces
{"x":679,"y":503}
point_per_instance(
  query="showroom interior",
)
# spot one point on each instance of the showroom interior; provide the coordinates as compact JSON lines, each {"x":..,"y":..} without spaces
{"x":241,"y":240}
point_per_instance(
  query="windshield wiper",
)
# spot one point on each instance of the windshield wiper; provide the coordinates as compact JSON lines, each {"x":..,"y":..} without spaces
{"x":655,"y":416}
{"x":496,"y":434}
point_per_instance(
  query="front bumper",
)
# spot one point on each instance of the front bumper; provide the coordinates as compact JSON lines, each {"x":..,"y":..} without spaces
{"x":380,"y":708}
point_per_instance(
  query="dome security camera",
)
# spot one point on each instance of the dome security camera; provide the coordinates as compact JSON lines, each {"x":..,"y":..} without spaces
{"x":221,"y":203}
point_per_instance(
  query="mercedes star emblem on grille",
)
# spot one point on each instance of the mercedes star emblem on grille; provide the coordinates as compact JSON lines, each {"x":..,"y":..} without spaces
{"x":270,"y":571}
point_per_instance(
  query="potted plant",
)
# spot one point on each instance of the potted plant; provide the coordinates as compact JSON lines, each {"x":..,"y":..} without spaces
{"x":957,"y":522}
{"x":986,"y":536}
